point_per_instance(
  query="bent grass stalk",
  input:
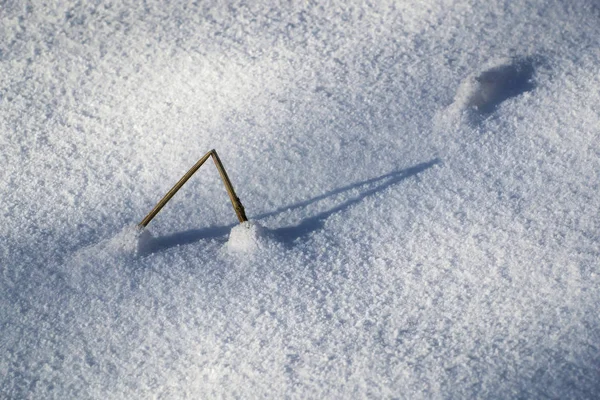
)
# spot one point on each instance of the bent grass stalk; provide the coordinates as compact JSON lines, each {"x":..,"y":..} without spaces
{"x":235,"y":201}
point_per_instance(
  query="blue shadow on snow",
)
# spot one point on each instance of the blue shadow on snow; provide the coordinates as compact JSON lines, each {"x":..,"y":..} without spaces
{"x":308,"y":225}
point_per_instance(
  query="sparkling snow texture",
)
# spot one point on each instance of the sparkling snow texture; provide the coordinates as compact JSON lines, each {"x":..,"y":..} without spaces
{"x":246,"y":237}
{"x":426,"y":173}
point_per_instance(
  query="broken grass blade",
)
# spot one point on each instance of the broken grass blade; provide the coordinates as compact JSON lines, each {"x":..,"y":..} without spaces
{"x":235,"y":201}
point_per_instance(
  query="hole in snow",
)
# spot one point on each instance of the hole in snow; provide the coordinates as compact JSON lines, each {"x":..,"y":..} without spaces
{"x":500,"y":83}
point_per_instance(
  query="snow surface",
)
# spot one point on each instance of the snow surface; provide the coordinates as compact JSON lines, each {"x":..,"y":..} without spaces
{"x":426,"y":173}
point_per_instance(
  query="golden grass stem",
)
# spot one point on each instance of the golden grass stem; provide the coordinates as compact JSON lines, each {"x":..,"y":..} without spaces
{"x":235,"y":201}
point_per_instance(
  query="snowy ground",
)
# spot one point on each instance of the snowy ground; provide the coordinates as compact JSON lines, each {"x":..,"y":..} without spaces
{"x":426,"y":173}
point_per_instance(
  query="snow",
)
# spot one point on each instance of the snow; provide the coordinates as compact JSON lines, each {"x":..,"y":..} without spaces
{"x":421,"y":180}
{"x":246,"y":238}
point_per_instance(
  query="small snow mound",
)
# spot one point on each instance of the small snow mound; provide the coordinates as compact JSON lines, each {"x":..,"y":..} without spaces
{"x":125,"y":242}
{"x":95,"y":269}
{"x":246,"y":237}
{"x":123,"y":245}
{"x":145,"y":242}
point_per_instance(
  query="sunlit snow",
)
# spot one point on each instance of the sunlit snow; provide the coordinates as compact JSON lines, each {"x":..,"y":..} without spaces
{"x":421,"y":177}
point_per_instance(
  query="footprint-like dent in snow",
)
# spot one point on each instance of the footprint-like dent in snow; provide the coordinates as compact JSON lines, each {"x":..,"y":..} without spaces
{"x":482,"y":92}
{"x":500,"y":83}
